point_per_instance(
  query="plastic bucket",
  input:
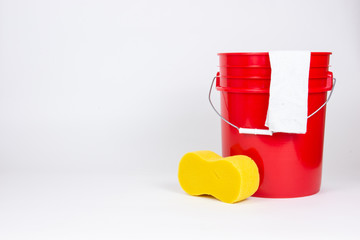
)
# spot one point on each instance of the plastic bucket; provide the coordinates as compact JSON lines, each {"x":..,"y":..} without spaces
{"x":289,"y":164}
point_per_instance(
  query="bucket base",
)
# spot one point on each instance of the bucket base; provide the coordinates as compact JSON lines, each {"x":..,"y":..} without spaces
{"x":259,"y":195}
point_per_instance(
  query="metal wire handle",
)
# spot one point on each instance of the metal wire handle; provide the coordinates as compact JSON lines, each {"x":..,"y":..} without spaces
{"x":261,"y":131}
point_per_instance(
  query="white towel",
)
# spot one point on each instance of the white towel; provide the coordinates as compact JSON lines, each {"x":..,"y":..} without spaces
{"x":287,"y":110}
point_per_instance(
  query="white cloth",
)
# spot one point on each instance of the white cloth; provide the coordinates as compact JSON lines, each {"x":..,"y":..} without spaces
{"x":288,"y":101}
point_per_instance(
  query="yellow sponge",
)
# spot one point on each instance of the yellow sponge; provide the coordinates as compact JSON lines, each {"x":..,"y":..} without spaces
{"x":230,"y":179}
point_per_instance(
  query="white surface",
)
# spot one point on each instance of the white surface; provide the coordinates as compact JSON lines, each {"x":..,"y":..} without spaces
{"x":289,"y":86}
{"x":140,"y":206}
{"x":92,"y":91}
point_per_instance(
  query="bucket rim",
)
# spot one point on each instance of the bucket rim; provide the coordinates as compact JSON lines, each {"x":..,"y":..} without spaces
{"x":264,"y":53}
{"x":261,"y":77}
{"x":266,"y":91}
{"x":265,"y":66}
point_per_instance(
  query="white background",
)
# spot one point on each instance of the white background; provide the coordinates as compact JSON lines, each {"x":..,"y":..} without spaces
{"x":100,"y":99}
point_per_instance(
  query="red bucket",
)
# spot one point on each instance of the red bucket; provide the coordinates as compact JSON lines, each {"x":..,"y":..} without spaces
{"x":289,"y":164}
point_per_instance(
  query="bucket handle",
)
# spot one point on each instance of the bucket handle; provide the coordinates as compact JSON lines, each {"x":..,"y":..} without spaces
{"x":264,"y":131}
